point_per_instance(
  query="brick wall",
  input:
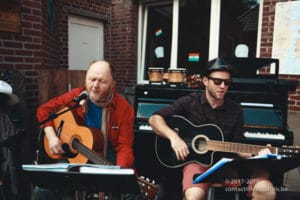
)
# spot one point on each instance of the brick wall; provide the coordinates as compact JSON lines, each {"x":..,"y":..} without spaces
{"x":22,"y":51}
{"x":124,"y":42}
{"x":50,"y":38}
{"x":37,"y":47}
{"x":44,"y":45}
{"x":120,"y":33}
{"x":266,"y":49}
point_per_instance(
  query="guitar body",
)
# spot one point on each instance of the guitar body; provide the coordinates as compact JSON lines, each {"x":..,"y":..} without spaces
{"x":70,"y":131}
{"x":203,"y":141}
{"x":187,"y":131}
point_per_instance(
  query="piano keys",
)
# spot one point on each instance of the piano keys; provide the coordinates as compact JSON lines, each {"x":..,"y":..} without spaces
{"x":264,"y":124}
{"x":259,"y":134}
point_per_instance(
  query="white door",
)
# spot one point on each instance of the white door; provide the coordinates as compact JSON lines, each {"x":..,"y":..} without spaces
{"x":85,"y":42}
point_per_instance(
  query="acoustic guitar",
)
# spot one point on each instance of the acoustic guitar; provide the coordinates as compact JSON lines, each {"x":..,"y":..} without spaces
{"x":82,"y":144}
{"x":203,"y":141}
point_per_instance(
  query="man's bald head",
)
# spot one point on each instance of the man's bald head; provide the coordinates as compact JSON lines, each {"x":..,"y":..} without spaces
{"x":98,"y":64}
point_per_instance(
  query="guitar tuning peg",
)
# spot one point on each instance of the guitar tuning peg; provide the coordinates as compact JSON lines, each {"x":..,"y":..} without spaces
{"x":153,"y":181}
{"x":142,"y":177}
{"x":147,"y":179}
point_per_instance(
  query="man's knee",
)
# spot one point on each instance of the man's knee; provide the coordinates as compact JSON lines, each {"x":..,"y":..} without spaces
{"x":264,"y":189}
{"x":194,"y":193}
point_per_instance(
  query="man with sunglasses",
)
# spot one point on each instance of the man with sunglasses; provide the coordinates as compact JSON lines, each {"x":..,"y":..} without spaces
{"x":210,"y":107}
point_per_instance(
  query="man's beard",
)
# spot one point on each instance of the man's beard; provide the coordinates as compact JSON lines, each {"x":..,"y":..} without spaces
{"x":104,"y":102}
{"x":215,"y":96}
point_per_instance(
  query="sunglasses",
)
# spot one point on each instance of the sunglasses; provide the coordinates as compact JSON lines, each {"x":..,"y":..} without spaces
{"x":219,"y":81}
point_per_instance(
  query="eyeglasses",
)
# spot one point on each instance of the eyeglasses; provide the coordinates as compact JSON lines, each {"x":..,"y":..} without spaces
{"x":219,"y":81}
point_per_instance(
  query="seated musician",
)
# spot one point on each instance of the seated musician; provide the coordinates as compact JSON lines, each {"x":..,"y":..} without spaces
{"x":210,"y":107}
{"x":104,"y":109}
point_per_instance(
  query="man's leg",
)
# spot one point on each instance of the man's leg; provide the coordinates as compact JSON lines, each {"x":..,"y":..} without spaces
{"x":193,"y":191}
{"x":260,"y":186}
{"x":262,"y":189}
{"x":45,"y":194}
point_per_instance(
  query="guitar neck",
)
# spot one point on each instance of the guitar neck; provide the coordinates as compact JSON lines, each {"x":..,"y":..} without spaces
{"x":93,"y":156}
{"x":150,"y":189}
{"x":232,"y":147}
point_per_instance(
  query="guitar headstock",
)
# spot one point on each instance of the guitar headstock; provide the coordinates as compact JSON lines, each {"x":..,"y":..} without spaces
{"x":148,"y":188}
{"x":290,"y":150}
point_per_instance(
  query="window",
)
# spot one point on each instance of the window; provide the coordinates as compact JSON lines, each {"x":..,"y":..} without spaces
{"x":189,"y":33}
{"x":158,"y":37}
{"x":239,"y":24}
{"x":193,"y":35}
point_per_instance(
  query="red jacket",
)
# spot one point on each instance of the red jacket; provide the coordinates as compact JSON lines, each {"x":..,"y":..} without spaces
{"x":121,"y":136}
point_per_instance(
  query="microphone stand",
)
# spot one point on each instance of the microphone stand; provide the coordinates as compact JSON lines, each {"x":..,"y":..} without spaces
{"x":55,"y":115}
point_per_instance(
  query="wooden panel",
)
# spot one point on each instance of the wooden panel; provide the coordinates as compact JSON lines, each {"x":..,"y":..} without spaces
{"x":76,"y":78}
{"x":10,"y":19}
{"x":60,"y":81}
{"x":52,"y":83}
{"x":44,"y":88}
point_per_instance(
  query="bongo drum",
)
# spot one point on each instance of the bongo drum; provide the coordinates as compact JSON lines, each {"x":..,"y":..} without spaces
{"x":155,"y":75}
{"x":176,"y":76}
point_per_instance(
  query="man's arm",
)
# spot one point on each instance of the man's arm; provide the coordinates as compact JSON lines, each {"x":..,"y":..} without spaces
{"x":47,"y":109}
{"x":161,"y":128}
{"x":125,"y":157}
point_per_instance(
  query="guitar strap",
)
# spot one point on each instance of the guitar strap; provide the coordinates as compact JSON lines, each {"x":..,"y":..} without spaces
{"x":104,"y":128}
{"x":104,"y":125}
{"x":105,"y":118}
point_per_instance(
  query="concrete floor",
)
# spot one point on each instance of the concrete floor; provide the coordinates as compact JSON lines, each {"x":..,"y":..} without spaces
{"x":292,"y":178}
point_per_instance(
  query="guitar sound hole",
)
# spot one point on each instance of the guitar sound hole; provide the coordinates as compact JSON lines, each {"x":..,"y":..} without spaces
{"x":199,"y":144}
{"x":68,"y":152}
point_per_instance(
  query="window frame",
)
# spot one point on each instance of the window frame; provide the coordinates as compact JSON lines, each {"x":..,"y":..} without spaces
{"x":214,"y":33}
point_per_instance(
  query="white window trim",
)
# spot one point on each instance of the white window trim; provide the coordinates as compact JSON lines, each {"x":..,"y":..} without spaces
{"x":141,"y":44}
{"x":259,"y":28}
{"x":214,"y":34}
{"x":174,"y":41}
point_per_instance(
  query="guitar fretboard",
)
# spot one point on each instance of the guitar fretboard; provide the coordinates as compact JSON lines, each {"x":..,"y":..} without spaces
{"x":90,"y":154}
{"x":232,"y":147}
{"x":98,"y":159}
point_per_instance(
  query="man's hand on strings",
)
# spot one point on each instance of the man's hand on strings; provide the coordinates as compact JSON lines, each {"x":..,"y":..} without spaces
{"x":265,"y":151}
{"x":55,"y":145}
{"x":179,"y":147}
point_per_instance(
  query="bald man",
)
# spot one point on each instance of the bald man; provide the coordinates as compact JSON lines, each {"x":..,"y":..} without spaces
{"x":104,"y":109}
